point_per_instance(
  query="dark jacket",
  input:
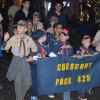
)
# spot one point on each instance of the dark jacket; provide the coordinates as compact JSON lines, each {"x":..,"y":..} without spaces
{"x":61,"y":18}
{"x":21,"y":16}
{"x":0,"y":46}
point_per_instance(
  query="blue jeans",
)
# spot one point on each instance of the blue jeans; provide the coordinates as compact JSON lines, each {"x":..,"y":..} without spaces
{"x":81,"y":93}
{"x":66,"y":95}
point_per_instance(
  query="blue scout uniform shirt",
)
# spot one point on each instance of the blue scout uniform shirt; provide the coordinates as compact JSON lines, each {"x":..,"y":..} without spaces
{"x":0,"y":46}
{"x":51,"y":39}
{"x":39,"y":49}
{"x":85,"y":51}
{"x":64,"y":51}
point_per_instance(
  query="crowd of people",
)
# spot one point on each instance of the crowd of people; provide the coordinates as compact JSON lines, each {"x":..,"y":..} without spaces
{"x":29,"y":39}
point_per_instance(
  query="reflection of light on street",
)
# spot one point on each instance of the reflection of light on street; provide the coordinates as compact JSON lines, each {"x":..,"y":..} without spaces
{"x":49,"y":6}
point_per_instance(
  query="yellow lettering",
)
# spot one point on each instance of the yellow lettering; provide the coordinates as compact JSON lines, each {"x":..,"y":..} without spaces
{"x":57,"y":82}
{"x":69,"y":80}
{"x":67,"y":66}
{"x":63,"y":67}
{"x":86,"y":65}
{"x":59,"y":67}
{"x":76,"y":66}
{"x":90,"y":64}
{"x":88,"y":78}
{"x":72,"y":66}
{"x":65,"y":81}
{"x":61,"y":81}
{"x":81,"y":66}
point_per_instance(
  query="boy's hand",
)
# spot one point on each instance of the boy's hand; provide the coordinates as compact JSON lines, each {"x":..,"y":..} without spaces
{"x":15,"y":31}
{"x":68,"y":46}
{"x":30,"y":58}
{"x":6,"y":36}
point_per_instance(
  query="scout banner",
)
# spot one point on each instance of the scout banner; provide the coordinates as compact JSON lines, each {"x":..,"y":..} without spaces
{"x":57,"y":75}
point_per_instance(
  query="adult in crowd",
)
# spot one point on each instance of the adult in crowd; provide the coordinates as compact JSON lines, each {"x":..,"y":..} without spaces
{"x":4,"y":13}
{"x":13,"y":9}
{"x":1,"y":18}
{"x":58,"y":13}
{"x":24,"y":13}
{"x":96,"y":41}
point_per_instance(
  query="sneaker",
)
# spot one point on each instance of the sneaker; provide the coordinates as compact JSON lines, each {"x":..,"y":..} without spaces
{"x":51,"y":96}
{"x":89,"y":92}
{"x":82,"y":98}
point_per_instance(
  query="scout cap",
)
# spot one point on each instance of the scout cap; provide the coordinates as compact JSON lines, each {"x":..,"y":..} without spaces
{"x":37,"y":14}
{"x":85,"y":37}
{"x":22,"y":23}
{"x":39,"y":33}
{"x":64,"y":32}
{"x":54,"y":18}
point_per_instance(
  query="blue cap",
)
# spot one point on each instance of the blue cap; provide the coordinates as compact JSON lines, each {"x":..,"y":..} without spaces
{"x":39,"y":33}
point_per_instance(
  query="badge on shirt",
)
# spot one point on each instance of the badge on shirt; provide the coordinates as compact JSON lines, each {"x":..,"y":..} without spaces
{"x":16,"y":49}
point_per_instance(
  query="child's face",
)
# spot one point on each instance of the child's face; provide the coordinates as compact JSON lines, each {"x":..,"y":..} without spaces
{"x":52,"y":23}
{"x":29,"y":25}
{"x":58,"y":29}
{"x":43,"y":38}
{"x":86,"y":43}
{"x":35,"y":19}
{"x":63,"y":38}
{"x":21,"y":29}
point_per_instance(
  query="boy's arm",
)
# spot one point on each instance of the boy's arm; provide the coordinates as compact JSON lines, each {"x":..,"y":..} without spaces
{"x":96,"y":40}
{"x":95,"y":43}
{"x":33,"y":46}
{"x":6,"y":44}
{"x":33,"y":51}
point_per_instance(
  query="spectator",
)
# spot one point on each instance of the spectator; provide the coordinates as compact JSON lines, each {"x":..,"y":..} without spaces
{"x":11,"y":25}
{"x":52,"y":38}
{"x":36,"y":21}
{"x":96,"y":42}
{"x":53,"y":20}
{"x":24,"y":13}
{"x":13,"y":9}
{"x":1,"y":18}
{"x":58,"y":13}
{"x":29,"y":27}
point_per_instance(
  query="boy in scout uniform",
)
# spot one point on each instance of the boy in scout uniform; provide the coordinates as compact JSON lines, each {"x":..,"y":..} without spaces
{"x":52,"y":38}
{"x":36,"y":22}
{"x":62,"y":46}
{"x":84,"y":51}
{"x":19,"y":69}
{"x":42,"y":49}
